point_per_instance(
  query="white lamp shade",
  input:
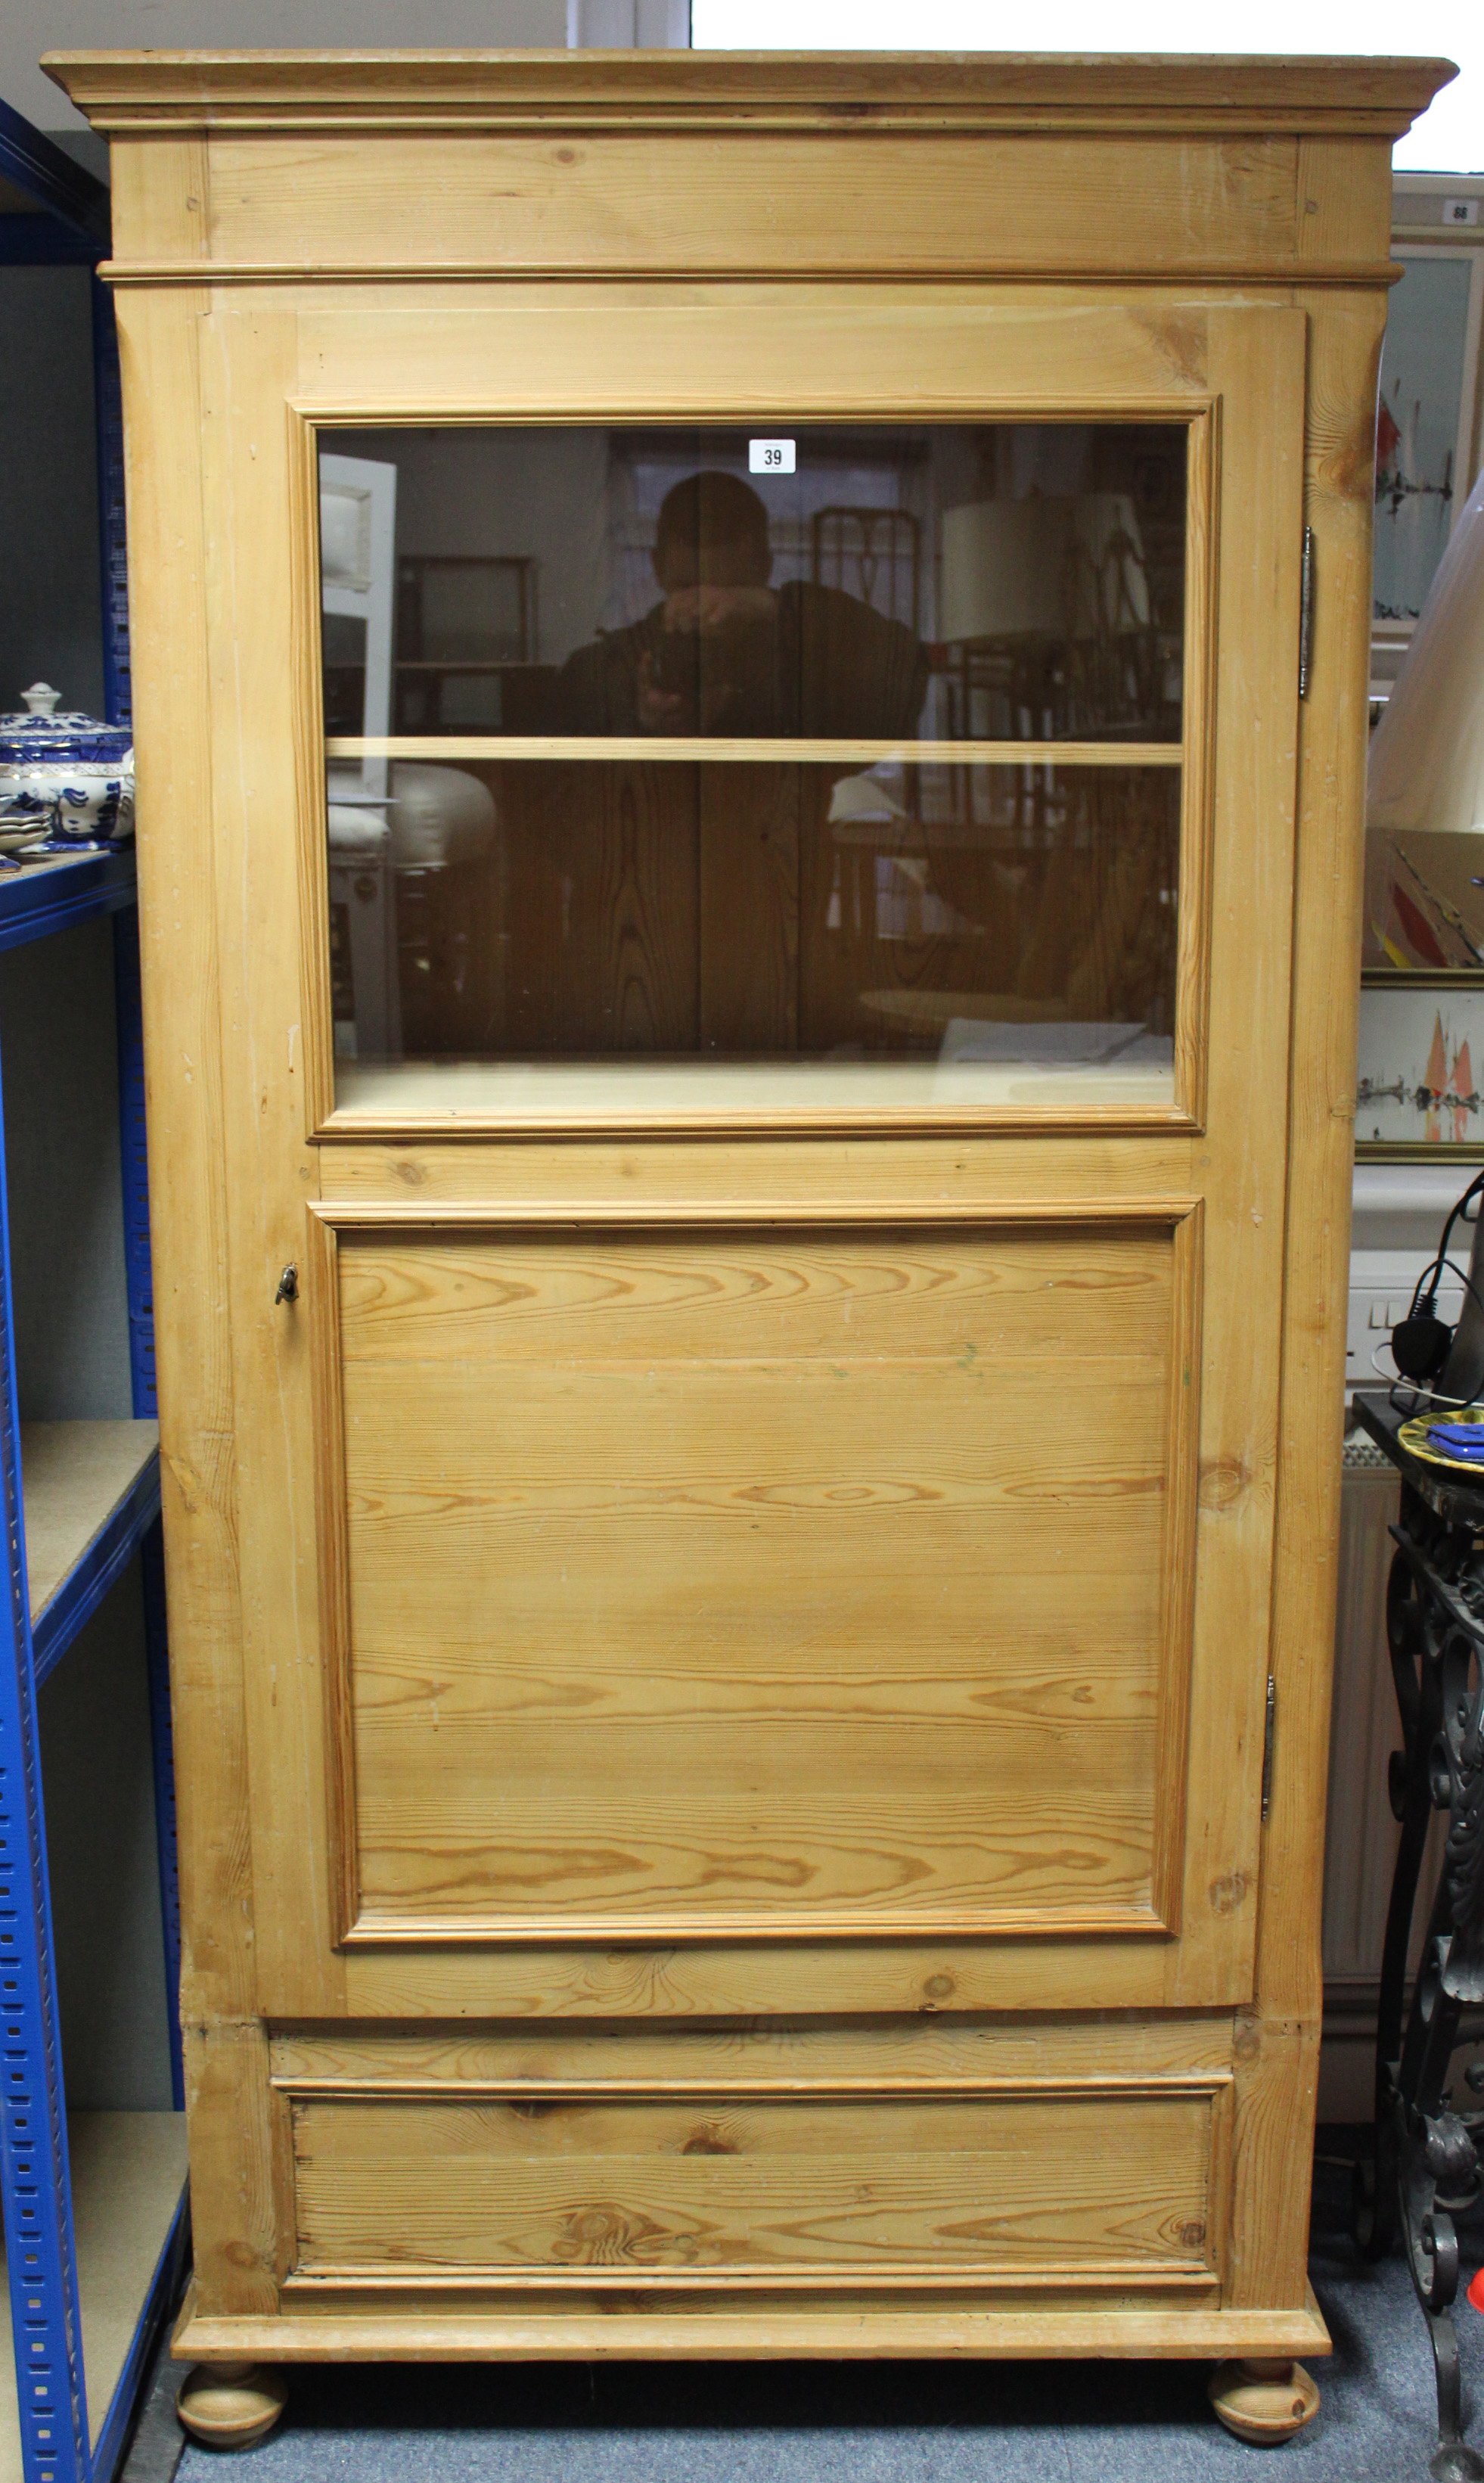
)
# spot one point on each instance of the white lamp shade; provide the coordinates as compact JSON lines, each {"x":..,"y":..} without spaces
{"x":1426,"y":770}
{"x":1051,"y":567}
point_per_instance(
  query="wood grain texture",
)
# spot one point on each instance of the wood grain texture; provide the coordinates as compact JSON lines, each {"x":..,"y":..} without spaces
{"x":162,"y":195}
{"x":748,"y":904}
{"x":921,"y":2048}
{"x":1057,"y":2321}
{"x":603,"y":875}
{"x":753,"y":1414}
{"x":873,"y":201}
{"x":976,"y":1643}
{"x":794,"y":1175}
{"x":256,"y":783}
{"x":1086,"y":92}
{"x":185,"y":1109}
{"x":759,"y":750}
{"x":1344,"y":346}
{"x":637,"y":2191}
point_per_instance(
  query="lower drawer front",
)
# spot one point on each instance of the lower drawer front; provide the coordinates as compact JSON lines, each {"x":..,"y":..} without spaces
{"x":735,"y":2186}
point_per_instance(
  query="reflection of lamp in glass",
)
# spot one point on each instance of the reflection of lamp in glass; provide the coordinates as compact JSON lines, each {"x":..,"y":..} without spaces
{"x":1057,"y":589}
{"x":1054,"y":567}
{"x":1424,"y":793}
{"x":1426,"y":773}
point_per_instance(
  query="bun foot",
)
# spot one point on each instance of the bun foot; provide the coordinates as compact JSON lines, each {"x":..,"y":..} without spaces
{"x":1264,"y":2402}
{"x":231,"y":2405}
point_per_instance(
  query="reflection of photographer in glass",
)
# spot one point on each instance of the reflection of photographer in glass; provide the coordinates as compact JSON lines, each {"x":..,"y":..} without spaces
{"x":728,"y":653}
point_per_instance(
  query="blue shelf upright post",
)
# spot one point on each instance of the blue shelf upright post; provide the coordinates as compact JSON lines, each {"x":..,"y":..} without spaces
{"x":34,"y":2182}
{"x":70,"y":227}
{"x":35,"y":2189}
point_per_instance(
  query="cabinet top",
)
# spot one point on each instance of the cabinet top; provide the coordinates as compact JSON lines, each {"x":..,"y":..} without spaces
{"x":827,"y":90}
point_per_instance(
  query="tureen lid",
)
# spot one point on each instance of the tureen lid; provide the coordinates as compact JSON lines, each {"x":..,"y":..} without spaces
{"x":38,"y":733}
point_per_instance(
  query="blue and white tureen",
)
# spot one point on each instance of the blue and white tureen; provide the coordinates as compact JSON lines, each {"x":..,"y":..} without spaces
{"x":64,"y":776}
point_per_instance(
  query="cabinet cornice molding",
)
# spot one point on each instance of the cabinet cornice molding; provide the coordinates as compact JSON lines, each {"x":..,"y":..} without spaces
{"x":834,"y":92}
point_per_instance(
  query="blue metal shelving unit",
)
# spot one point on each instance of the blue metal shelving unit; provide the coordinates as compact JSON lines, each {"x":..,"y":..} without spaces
{"x":69,"y":228}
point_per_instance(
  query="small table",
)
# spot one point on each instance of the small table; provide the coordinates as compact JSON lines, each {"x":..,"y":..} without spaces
{"x":1425,"y":2166}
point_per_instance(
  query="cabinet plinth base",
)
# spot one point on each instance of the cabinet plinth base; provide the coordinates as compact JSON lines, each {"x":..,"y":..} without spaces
{"x":343,"y":2330}
{"x":1263,"y":2401}
{"x":231,"y":2405}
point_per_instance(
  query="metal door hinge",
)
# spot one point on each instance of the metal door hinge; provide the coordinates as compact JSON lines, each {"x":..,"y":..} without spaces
{"x":1267,"y":1745}
{"x":1305,"y":609}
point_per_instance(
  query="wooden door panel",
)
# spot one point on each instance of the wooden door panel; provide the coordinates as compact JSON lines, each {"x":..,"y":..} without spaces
{"x":588,"y":2190}
{"x":382,"y":1868}
{"x":765,"y":1584}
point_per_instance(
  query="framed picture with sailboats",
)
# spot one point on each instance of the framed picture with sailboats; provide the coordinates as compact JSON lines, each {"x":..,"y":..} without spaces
{"x":1419,"y":1090}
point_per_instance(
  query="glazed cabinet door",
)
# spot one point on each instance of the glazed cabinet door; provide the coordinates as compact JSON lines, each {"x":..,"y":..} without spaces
{"x":753,"y":837}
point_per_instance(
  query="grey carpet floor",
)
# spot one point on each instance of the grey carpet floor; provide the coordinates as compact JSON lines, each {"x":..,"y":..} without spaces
{"x":915,"y":2422}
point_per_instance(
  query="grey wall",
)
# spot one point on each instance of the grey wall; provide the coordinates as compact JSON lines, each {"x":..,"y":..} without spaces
{"x":30,"y":27}
{"x":530,"y":490}
{"x":98,"y":1780}
{"x":58,"y":1058}
{"x":59,"y":1072}
{"x":50,"y":578}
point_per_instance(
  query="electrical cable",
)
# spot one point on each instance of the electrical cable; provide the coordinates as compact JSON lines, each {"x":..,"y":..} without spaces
{"x":1420,"y":1343}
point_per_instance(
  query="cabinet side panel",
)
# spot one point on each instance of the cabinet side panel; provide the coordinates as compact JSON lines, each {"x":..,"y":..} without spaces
{"x":234,"y":2223}
{"x":249,"y":373}
{"x":1256,"y":363}
{"x":1270,"y":2239}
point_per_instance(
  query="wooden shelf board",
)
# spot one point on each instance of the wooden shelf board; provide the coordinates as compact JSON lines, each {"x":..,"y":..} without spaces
{"x":89,"y":1489}
{"x":128,"y":2170}
{"x":699,"y":749}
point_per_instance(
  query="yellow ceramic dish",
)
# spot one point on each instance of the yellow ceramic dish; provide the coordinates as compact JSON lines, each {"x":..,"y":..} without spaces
{"x":1414,"y":1438}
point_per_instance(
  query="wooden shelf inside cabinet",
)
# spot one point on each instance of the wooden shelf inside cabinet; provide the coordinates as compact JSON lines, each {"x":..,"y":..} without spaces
{"x":63,"y":888}
{"x":128,"y":2172}
{"x":90,"y":1490}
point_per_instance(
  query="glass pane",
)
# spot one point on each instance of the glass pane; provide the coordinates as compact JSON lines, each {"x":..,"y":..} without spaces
{"x":948,"y":581}
{"x":660,"y":776}
{"x":1424,"y":366}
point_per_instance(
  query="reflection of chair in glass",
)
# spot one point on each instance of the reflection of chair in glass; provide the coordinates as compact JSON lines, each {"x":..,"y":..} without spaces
{"x":1101,"y":933}
{"x":1008,"y":896}
{"x":874,"y":554}
{"x":1046,"y":608}
{"x":911,"y":919}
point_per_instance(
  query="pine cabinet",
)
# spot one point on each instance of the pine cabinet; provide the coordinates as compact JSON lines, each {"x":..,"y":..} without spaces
{"x":750,"y":694}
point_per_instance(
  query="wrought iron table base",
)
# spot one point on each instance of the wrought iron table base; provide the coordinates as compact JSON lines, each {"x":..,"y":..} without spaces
{"x":1425,"y":2168}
